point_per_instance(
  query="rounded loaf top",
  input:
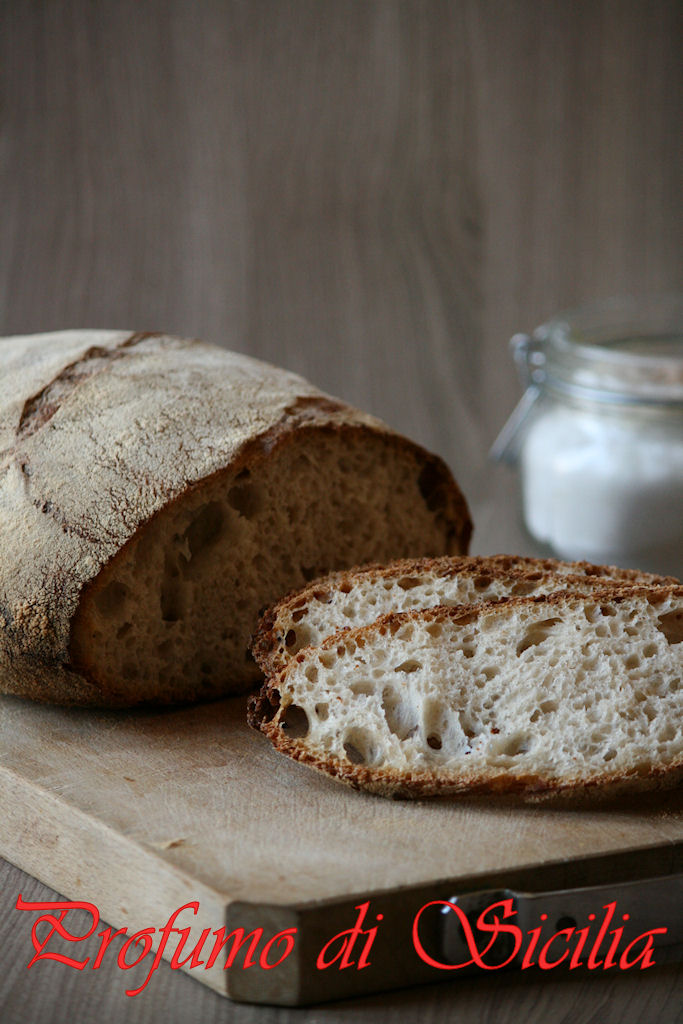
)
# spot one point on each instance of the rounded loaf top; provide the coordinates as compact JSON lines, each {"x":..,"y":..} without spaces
{"x":100,"y":431}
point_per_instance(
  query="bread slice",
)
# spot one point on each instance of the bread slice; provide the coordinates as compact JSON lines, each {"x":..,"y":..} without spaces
{"x":343,"y":600}
{"x":548,"y":694}
{"x":157,"y":493}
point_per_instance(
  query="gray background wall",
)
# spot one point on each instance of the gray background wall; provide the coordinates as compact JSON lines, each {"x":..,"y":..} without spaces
{"x":375,"y":194}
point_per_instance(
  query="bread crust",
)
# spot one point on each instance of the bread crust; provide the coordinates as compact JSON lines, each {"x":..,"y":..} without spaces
{"x":102,"y":430}
{"x":268,"y":639}
{"x":263,"y":708}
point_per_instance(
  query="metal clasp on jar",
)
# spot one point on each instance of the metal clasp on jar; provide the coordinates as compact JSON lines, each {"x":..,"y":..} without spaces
{"x":528,"y":352}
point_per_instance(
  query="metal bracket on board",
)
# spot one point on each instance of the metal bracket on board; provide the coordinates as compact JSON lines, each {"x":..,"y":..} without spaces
{"x":598,"y":925}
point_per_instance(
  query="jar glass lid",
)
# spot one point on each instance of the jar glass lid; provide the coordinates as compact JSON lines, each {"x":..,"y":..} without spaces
{"x":622,"y":350}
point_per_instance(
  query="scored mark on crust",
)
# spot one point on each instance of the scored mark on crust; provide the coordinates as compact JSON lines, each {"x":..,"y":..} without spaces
{"x":41,"y":407}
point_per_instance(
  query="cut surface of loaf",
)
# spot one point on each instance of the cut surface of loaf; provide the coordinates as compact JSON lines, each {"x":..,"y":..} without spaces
{"x":348,"y":599}
{"x":156,"y":493}
{"x":181,"y":601}
{"x":549,"y":694}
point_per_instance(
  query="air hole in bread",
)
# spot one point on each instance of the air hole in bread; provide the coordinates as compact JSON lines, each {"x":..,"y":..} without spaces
{"x":294,"y":722}
{"x":536,"y":634}
{"x":408,"y":666}
{"x":401,"y":717}
{"x":671,"y":625}
{"x":482,"y":582}
{"x":434,"y":741}
{"x":521,"y":589}
{"x":353,"y":753}
{"x":269,"y":705}
{"x":245,"y":498}
{"x":649,"y":650}
{"x":436,"y":718}
{"x":467,"y":725}
{"x":322,"y":711}
{"x":546,"y":706}
{"x":290,"y":639}
{"x":205,"y":528}
{"x":609,"y":755}
{"x":650,"y":712}
{"x":515,"y":745}
{"x":633,"y":661}
{"x":408,"y":582}
{"x":591,"y":612}
{"x":486,"y":622}
{"x":359,"y":748}
{"x":362,"y":687}
{"x":608,"y":609}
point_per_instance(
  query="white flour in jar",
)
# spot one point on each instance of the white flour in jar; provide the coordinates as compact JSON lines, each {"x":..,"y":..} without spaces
{"x":606,"y":485}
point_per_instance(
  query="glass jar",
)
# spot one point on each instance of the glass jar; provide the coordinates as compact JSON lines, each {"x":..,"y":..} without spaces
{"x":598,"y":433}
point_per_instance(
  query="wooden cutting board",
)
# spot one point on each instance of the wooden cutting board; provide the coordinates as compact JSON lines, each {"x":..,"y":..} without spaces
{"x":143,"y":812}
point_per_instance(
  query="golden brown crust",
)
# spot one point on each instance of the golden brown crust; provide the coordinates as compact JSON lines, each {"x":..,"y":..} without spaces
{"x":263,"y":707}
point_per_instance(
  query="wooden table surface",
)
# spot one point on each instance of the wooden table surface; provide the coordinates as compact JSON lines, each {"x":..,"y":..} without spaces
{"x":376,"y":195}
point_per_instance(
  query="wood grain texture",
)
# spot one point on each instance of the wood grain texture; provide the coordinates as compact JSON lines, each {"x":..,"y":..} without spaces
{"x":374,"y":194}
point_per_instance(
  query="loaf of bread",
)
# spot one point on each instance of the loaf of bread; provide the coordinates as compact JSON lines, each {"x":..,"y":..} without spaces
{"x":346,"y":599}
{"x":157,"y":493}
{"x":562,"y":693}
